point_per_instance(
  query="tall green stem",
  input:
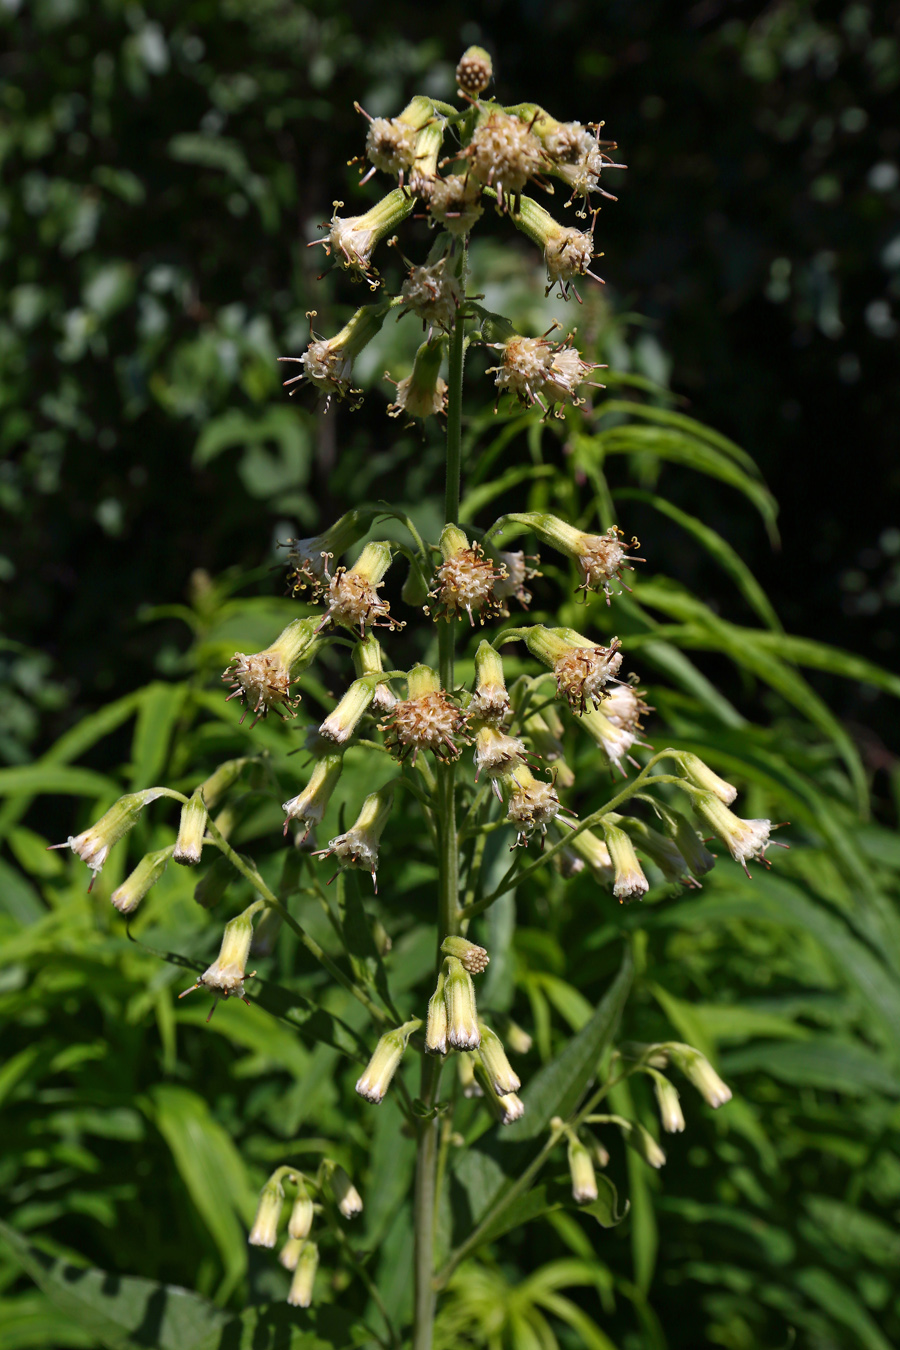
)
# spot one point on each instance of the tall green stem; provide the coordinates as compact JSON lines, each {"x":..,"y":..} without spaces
{"x":425,"y":1197}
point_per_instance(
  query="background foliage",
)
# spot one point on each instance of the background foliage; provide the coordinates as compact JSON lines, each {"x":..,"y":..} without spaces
{"x":163,"y":169}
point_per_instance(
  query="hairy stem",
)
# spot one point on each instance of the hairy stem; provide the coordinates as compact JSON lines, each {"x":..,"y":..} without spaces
{"x":425,"y":1197}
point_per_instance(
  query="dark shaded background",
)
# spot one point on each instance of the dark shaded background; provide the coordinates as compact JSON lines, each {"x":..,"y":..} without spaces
{"x":164,"y":167}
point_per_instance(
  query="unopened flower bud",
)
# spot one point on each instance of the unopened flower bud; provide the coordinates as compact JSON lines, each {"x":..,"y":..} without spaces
{"x":599,"y":1155}
{"x":670,"y":1114}
{"x":548,"y":746}
{"x":376,"y":1079}
{"x":503,"y":154}
{"x":309,"y":806}
{"x":423,"y":393}
{"x":516,"y":1037}
{"x":506,"y":1108}
{"x":698,"y":1071}
{"x":211,"y":887}
{"x":744,"y":839}
{"x":470,"y":1085}
{"x":264,"y":1232}
{"x":644,"y":1145}
{"x":465,"y":579}
{"x":474,"y":72}
{"x":581,"y":1170}
{"x":300,"y":1222}
{"x":425,"y":720}
{"x":290,"y":1251}
{"x":358,"y":847}
{"x":263,"y":680}
{"x":341,"y":723}
{"x":690,"y":845}
{"x":436,"y":1020}
{"x":129,"y":895}
{"x":368,"y":659}
{"x":474,"y":958}
{"x":582,"y":668}
{"x":301,"y":1290}
{"x":459,"y":996}
{"x":347,"y":1197}
{"x":630,"y":882}
{"x":191,"y":829}
{"x":702,"y":776}
{"x":352,"y":239}
{"x":658,"y":848}
{"x":490,"y":702}
{"x":94,"y":843}
{"x":595,"y":853}
{"x":352,"y":594}
{"x":502,"y":1077}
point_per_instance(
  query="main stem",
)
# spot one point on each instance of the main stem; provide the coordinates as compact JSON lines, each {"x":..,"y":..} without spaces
{"x":425,"y":1197}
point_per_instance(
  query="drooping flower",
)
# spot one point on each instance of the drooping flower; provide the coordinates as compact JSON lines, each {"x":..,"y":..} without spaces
{"x":465,"y":579}
{"x":263,"y":679}
{"x":426,"y":720}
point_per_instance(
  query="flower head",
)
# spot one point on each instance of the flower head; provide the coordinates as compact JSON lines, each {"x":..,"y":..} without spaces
{"x":342,"y":721}
{"x":744,"y":839}
{"x":352,"y":239}
{"x":359,"y":846}
{"x":671,"y":1116}
{"x":576,"y":154}
{"x":601,"y":558}
{"x":594,"y":852}
{"x":568,"y":252}
{"x":699,"y":1072}
{"x":352,"y":596}
{"x":94,"y":843}
{"x":512,"y":586}
{"x":531,"y":803}
{"x":507,"y":1107}
{"x":300,"y":1222}
{"x":225,"y":977}
{"x":436,"y":1024}
{"x":490,"y":701}
{"x":582,"y":668}
{"x":263,"y":679}
{"x":327,"y":363}
{"x":426,"y":720}
{"x":465,"y":579}
{"x":433,"y":292}
{"x":699,"y":773}
{"x":504,"y":154}
{"x":454,"y":202}
{"x":496,"y":753}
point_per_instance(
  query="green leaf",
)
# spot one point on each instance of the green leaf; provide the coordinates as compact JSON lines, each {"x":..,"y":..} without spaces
{"x":276,"y":1326}
{"x":120,"y":1311}
{"x":820,"y":656}
{"x":824,"y":1289}
{"x":550,"y":1196}
{"x":477,"y":498}
{"x":557,"y":1087}
{"x":17,"y":898}
{"x":31,"y":779}
{"x":823,"y":1062}
{"x":211,"y":1169}
{"x":159,"y":711}
{"x":730,"y":561}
